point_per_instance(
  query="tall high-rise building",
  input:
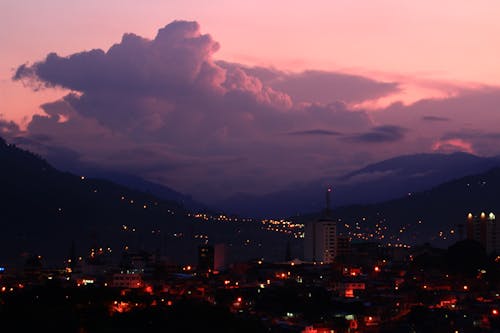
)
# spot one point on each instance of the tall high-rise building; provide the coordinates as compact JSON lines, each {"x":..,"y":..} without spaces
{"x":205,"y":258}
{"x":320,"y":244}
{"x":484,"y":229}
{"x":343,"y":247}
{"x":220,"y":257}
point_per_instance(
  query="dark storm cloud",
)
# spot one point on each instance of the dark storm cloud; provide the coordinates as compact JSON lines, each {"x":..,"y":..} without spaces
{"x":320,"y":86}
{"x":380,"y":134}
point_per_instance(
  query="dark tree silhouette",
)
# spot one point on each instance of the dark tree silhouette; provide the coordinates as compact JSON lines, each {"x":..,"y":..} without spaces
{"x":466,"y":257}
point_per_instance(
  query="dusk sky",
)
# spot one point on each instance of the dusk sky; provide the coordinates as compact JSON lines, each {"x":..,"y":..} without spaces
{"x":217,"y":97}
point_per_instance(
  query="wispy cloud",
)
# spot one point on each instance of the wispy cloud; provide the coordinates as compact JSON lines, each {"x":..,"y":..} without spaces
{"x":315,"y":132}
{"x":434,"y":118}
{"x":380,"y":134}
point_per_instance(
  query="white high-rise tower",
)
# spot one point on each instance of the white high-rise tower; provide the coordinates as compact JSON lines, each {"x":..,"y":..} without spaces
{"x":320,"y":243}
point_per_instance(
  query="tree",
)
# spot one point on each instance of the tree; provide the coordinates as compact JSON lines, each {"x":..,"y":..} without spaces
{"x":466,"y":257}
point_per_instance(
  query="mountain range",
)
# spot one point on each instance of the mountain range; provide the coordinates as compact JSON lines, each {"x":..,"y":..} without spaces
{"x":46,"y":212}
{"x":413,"y":199}
{"x":396,"y":176}
{"x":379,"y":182}
{"x":436,"y":216}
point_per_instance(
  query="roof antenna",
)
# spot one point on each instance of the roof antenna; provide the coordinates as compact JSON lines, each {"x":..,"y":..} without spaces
{"x":327,"y":209}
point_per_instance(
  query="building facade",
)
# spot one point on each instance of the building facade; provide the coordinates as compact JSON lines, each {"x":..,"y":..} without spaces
{"x":206,"y":258}
{"x":484,"y":229}
{"x":320,"y":243}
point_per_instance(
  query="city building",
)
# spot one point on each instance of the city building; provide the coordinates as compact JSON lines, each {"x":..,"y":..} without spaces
{"x":127,"y":280}
{"x":220,"y":257}
{"x":205,"y":258}
{"x":485,"y":230}
{"x":320,"y":244}
{"x":349,"y":289}
{"x":343,"y":247}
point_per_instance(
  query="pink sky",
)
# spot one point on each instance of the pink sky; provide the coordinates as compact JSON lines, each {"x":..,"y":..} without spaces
{"x":182,"y":117}
{"x":452,"y":40}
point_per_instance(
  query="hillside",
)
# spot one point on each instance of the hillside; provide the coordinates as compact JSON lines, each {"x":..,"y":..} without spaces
{"x":44,"y":211}
{"x":430,"y":216}
{"x":397,"y":176}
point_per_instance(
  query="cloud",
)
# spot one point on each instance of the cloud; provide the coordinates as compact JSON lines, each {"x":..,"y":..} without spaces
{"x":452,"y":145}
{"x":434,"y":118}
{"x":472,"y":116}
{"x":380,"y":134}
{"x":479,"y":141}
{"x":316,"y":132}
{"x":179,"y":57}
{"x":364,"y":177}
{"x":163,"y":109}
{"x":471,"y":135}
{"x":320,"y":86}
{"x":471,"y":108}
{"x":8,"y":128}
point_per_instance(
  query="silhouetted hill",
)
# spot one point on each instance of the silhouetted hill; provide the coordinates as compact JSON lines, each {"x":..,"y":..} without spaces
{"x":396,"y":176}
{"x":429,"y":216}
{"x":43,"y":210}
{"x":138,"y":183}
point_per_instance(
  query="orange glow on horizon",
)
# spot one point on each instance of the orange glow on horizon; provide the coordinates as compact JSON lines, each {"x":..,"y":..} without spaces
{"x":453,"y":145}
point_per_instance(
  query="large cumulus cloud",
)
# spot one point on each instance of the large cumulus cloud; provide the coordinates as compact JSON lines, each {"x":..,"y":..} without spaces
{"x":324,"y":87}
{"x":163,"y":109}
